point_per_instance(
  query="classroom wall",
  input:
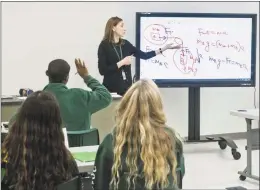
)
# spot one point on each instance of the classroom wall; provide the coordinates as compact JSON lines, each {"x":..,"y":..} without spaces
{"x":35,"y":33}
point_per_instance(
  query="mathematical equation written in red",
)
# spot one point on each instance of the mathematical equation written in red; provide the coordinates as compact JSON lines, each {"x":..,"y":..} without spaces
{"x":183,"y":59}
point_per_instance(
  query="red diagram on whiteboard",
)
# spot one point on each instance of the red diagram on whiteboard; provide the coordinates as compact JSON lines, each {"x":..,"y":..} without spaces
{"x":183,"y":59}
{"x":156,"y":34}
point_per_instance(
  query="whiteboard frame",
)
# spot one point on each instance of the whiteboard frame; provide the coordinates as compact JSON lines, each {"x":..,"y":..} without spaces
{"x":202,"y":82}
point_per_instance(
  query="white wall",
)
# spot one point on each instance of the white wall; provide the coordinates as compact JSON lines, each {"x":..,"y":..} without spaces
{"x":35,"y":33}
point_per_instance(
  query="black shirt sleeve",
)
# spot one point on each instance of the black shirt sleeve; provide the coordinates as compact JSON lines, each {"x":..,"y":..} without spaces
{"x":139,"y":53}
{"x":103,"y":165}
{"x":103,"y":66}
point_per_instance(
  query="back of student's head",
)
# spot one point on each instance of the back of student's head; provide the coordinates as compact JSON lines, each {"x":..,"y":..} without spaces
{"x":34,"y":146}
{"x":140,"y":123}
{"x":58,"y":71}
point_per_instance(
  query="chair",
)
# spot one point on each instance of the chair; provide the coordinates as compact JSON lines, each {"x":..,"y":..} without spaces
{"x":82,"y":182}
{"x":72,"y":184}
{"x":86,"y":181}
{"x":180,"y":169}
{"x":83,"y":138}
{"x":179,"y":177}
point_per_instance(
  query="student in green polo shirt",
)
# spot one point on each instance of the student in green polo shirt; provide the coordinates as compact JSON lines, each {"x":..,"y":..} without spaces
{"x":76,"y":104}
{"x":141,"y":152}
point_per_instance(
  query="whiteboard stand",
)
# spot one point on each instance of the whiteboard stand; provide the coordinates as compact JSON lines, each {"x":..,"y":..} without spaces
{"x":194,"y":125}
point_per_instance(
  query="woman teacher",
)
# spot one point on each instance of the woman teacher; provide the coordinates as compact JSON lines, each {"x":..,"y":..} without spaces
{"x":115,"y":56}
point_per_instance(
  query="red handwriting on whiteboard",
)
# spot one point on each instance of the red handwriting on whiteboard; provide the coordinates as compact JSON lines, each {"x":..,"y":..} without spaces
{"x":219,"y":44}
{"x":154,"y":60}
{"x":155,"y":29}
{"x":184,"y":60}
{"x":211,"y":32}
{"x":156,"y":34}
{"x":228,"y":61}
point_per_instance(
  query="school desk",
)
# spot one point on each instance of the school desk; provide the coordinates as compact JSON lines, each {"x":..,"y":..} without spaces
{"x":252,"y":139}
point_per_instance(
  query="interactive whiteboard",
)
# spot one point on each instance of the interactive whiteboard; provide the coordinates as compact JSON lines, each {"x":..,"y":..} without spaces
{"x":216,"y":49}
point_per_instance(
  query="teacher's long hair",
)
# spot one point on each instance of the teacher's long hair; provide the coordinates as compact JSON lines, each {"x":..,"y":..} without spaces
{"x":140,"y":123}
{"x":34,"y":148}
{"x":109,"y":33}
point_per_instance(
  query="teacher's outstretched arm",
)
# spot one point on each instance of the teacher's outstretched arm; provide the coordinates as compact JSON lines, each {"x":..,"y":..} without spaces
{"x":147,"y":55}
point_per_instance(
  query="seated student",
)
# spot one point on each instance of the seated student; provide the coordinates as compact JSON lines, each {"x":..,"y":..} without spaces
{"x":34,"y":155}
{"x":76,"y":105}
{"x":141,"y":152}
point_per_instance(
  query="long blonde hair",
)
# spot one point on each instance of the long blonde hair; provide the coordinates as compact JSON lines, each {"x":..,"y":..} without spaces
{"x":140,"y":123}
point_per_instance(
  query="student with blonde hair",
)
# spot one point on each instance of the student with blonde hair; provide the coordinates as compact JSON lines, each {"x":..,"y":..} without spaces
{"x":141,"y":152}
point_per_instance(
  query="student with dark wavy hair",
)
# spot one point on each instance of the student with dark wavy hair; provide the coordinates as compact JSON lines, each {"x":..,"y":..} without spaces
{"x":34,"y":155}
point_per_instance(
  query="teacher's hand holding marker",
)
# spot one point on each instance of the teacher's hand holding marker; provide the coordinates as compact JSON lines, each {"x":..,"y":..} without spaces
{"x":115,"y":56}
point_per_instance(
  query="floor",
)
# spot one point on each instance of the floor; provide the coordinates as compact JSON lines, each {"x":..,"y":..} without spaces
{"x":209,"y":167}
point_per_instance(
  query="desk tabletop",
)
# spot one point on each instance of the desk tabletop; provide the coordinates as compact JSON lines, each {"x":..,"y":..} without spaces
{"x":13,"y":100}
{"x":84,"y":166}
{"x":84,"y":149}
{"x":5,"y":100}
{"x":247,"y":113}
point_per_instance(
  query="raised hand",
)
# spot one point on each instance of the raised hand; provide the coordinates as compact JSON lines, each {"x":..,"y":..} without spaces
{"x":81,"y":68}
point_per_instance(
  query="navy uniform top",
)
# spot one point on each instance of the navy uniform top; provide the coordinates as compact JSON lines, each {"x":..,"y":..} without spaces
{"x":108,"y":56}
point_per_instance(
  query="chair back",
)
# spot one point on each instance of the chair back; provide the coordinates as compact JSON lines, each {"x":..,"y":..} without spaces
{"x":86,"y":181}
{"x":86,"y":138}
{"x":179,"y":177}
{"x":72,"y":184}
